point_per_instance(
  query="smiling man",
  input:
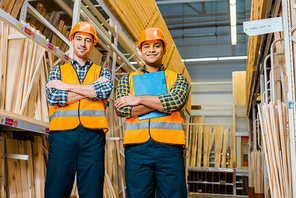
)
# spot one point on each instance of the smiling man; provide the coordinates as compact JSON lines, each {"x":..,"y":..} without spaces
{"x":153,"y":147}
{"x":77,"y":94}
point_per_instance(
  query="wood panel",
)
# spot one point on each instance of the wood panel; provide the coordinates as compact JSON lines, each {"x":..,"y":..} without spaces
{"x":258,"y":9}
{"x":240,"y":88}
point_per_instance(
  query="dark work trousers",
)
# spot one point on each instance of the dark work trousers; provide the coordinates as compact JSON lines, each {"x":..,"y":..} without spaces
{"x":80,"y":150}
{"x":153,"y":166}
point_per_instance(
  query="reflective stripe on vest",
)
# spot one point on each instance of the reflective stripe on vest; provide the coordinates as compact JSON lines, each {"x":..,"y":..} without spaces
{"x":154,"y":125}
{"x":74,"y":113}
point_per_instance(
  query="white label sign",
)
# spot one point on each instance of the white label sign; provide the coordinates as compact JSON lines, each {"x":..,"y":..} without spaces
{"x":263,"y":26}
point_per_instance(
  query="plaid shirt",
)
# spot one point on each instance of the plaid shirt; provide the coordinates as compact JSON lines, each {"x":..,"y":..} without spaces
{"x":173,"y":101}
{"x":58,"y":97}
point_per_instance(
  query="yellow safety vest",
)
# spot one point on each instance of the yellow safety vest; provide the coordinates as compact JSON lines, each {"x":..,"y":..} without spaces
{"x":167,"y":129}
{"x":87,"y":112}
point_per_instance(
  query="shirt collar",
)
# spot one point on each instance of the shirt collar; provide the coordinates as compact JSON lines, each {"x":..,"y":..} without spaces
{"x":86,"y":64}
{"x":161,"y":68}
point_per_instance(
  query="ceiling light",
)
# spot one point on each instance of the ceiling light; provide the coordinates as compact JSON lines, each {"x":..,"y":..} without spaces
{"x":232,"y":4}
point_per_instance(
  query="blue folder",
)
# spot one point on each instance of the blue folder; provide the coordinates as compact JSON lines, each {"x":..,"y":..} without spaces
{"x":150,"y":84}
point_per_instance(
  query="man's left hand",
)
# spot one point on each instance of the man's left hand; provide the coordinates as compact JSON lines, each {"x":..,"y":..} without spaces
{"x":129,"y":100}
{"x":58,"y":84}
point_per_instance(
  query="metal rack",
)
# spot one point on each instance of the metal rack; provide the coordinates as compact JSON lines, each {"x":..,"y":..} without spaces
{"x":14,"y":122}
{"x":288,"y":39}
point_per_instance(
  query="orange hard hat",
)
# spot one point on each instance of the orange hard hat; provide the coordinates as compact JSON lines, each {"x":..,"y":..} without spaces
{"x":84,"y":27}
{"x":151,"y":33}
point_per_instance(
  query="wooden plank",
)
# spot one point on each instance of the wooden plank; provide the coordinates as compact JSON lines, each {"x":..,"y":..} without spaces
{"x":2,"y":168}
{"x":200,"y":140}
{"x":240,"y":88}
{"x":38,"y":167}
{"x":30,"y":172}
{"x":218,"y":145}
{"x":14,"y":60}
{"x":4,"y":4}
{"x":23,"y":169}
{"x":190,"y":139}
{"x":195,"y":137}
{"x":10,"y":6}
{"x":225,"y":146}
{"x":3,"y":64}
{"x":17,"y":6}
{"x":230,"y":159}
{"x":96,"y":56}
{"x":12,"y":165}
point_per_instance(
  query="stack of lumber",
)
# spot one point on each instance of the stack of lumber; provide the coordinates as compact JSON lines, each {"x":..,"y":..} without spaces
{"x":137,"y":15}
{"x":258,"y":10}
{"x":12,"y":7}
{"x":22,"y":178}
{"x":276,"y":144}
{"x":24,"y":70}
{"x":202,"y":139}
{"x":256,"y":173}
{"x":54,"y":19}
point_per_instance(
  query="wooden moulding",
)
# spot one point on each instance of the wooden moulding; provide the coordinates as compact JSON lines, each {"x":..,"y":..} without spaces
{"x":190,"y":141}
{"x":195,"y":119}
{"x":2,"y":169}
{"x":39,"y":167}
{"x":240,"y":88}
{"x":200,"y":141}
{"x":218,"y":145}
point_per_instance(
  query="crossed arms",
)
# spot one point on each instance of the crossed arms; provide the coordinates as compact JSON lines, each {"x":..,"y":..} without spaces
{"x":61,"y":93}
{"x":128,"y":105}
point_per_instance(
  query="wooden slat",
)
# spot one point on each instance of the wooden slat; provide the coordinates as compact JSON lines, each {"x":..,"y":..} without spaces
{"x":218,"y":145}
{"x":38,"y":167}
{"x":225,"y":146}
{"x":3,"y":64}
{"x":195,"y":138}
{"x":14,"y":60}
{"x":2,"y":169}
{"x":4,"y":4}
{"x":200,"y":141}
{"x":240,"y":88}
{"x":30,"y":172}
{"x":17,"y":6}
{"x":13,"y":168}
{"x":230,"y":159}
{"x":190,"y":141}
{"x":23,"y":169}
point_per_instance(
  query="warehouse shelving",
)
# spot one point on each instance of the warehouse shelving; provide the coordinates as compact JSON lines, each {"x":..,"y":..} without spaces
{"x":14,"y":122}
{"x":25,"y":30}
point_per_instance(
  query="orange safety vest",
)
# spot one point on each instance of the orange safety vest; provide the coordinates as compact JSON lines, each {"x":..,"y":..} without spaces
{"x":167,"y":129}
{"x":87,"y":112}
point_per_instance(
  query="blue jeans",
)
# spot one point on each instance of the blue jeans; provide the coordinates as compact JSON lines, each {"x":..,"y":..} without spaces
{"x":80,"y":150}
{"x":153,"y":166}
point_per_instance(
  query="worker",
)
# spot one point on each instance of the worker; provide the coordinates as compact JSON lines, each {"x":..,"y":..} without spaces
{"x":77,"y":93}
{"x":153,"y":147}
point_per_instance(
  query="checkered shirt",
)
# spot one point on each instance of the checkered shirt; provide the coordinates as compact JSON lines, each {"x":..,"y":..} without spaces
{"x":173,"y":101}
{"x":58,"y":97}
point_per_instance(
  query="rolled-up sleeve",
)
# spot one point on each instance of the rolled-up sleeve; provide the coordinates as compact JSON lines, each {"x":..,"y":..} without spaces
{"x":175,"y":100}
{"x":103,"y":89}
{"x":123,"y":89}
{"x":55,"y":96}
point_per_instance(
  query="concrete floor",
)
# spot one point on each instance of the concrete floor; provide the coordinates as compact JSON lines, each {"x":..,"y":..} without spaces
{"x":203,"y":195}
